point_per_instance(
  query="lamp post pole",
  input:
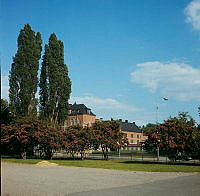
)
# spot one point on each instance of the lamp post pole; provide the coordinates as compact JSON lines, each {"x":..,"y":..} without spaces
{"x":118,"y":149}
{"x":158,"y":149}
{"x":158,"y":152}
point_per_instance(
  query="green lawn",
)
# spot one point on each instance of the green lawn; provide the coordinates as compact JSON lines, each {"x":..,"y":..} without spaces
{"x":114,"y":164}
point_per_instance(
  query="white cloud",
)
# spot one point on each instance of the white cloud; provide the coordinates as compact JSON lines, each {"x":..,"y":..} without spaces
{"x":105,"y":104}
{"x":178,"y":80}
{"x":192,"y":12}
{"x":4,"y":87}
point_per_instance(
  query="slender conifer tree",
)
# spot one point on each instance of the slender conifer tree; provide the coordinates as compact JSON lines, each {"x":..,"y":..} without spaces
{"x":23,"y":78}
{"x":55,"y":84}
{"x":44,"y":88}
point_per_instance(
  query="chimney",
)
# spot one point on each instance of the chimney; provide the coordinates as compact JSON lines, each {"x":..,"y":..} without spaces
{"x":126,"y":121}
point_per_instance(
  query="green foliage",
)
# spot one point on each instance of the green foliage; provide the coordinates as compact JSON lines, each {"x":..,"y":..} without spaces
{"x":19,"y":136}
{"x":48,"y":137}
{"x":6,"y":116}
{"x":196,"y":144}
{"x":174,"y":136}
{"x":44,"y":87}
{"x":108,"y":136}
{"x":149,"y":128}
{"x":23,"y":79}
{"x":55,"y":83}
{"x":77,"y":139}
{"x":28,"y":133}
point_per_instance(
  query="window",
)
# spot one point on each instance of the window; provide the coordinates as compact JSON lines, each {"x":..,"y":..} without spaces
{"x":131,"y":141}
{"x":138,"y":136}
{"x":131,"y":135}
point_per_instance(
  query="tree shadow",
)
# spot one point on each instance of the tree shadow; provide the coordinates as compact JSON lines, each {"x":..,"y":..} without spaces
{"x":161,"y":163}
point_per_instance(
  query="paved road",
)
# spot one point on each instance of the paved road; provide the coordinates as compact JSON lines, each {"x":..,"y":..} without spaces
{"x":32,"y":180}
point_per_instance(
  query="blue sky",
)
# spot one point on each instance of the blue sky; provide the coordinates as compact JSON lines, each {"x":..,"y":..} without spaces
{"x":123,"y":55}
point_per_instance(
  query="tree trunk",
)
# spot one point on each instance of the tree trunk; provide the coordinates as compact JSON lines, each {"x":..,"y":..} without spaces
{"x":23,"y":155}
{"x":105,"y":152}
{"x":82,"y":155}
{"x":48,"y":153}
{"x":72,"y":154}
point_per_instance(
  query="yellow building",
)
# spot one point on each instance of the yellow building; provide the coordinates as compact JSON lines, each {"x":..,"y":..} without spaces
{"x":133,"y":133}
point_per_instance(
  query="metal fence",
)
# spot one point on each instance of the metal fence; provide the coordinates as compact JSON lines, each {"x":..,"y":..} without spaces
{"x":130,"y":154}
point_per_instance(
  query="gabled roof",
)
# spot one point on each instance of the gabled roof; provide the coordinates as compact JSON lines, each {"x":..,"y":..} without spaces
{"x":79,"y":109}
{"x":129,"y":127}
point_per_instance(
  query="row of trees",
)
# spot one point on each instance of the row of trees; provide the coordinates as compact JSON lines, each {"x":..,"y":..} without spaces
{"x":23,"y":127}
{"x":175,"y":136}
{"x":28,"y":134}
{"x":54,"y":82}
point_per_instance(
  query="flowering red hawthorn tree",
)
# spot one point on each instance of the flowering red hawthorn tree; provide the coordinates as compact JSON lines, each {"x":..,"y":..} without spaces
{"x":28,"y":133}
{"x":174,"y":136}
{"x":196,"y":144}
{"x":19,"y":136}
{"x":49,"y":139}
{"x":107,"y":135}
{"x":77,"y":139}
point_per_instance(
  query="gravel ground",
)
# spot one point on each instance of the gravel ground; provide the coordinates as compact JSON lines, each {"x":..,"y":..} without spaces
{"x":32,"y":180}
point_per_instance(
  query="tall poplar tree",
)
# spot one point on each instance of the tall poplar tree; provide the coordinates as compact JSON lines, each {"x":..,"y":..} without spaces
{"x":23,"y":78}
{"x":55,"y":84}
{"x":44,"y":88}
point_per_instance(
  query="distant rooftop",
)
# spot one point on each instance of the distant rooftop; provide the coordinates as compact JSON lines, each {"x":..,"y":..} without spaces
{"x":129,"y":127}
{"x":78,"y":109}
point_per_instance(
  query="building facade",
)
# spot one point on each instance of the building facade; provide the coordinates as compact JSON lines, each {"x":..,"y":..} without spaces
{"x":133,"y":133}
{"x":79,"y":114}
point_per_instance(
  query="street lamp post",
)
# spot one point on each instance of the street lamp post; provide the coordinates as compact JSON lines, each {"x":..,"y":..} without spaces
{"x":118,"y":149}
{"x":142,"y":146}
{"x":158,"y":149}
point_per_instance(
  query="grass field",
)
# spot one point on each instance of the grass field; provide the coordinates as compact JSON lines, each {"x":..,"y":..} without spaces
{"x":114,"y":164}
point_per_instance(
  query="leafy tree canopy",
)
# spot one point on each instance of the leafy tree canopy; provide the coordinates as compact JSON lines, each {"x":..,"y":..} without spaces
{"x":108,"y":136}
{"x":55,"y":84}
{"x":23,"y":78}
{"x":173,"y":136}
{"x":149,"y":128}
{"x":6,"y":116}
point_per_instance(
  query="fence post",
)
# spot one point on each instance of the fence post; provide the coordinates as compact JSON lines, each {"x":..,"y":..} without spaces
{"x":142,"y":153}
{"x":131,"y":154}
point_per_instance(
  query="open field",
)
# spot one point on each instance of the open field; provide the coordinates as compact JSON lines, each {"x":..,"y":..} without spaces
{"x":115,"y":165}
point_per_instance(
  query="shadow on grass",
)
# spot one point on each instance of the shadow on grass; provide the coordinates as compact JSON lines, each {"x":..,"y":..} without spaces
{"x":54,"y":158}
{"x":161,"y":163}
{"x":10,"y":156}
{"x":66,"y":158}
{"x":100,"y":159}
{"x":77,"y":158}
